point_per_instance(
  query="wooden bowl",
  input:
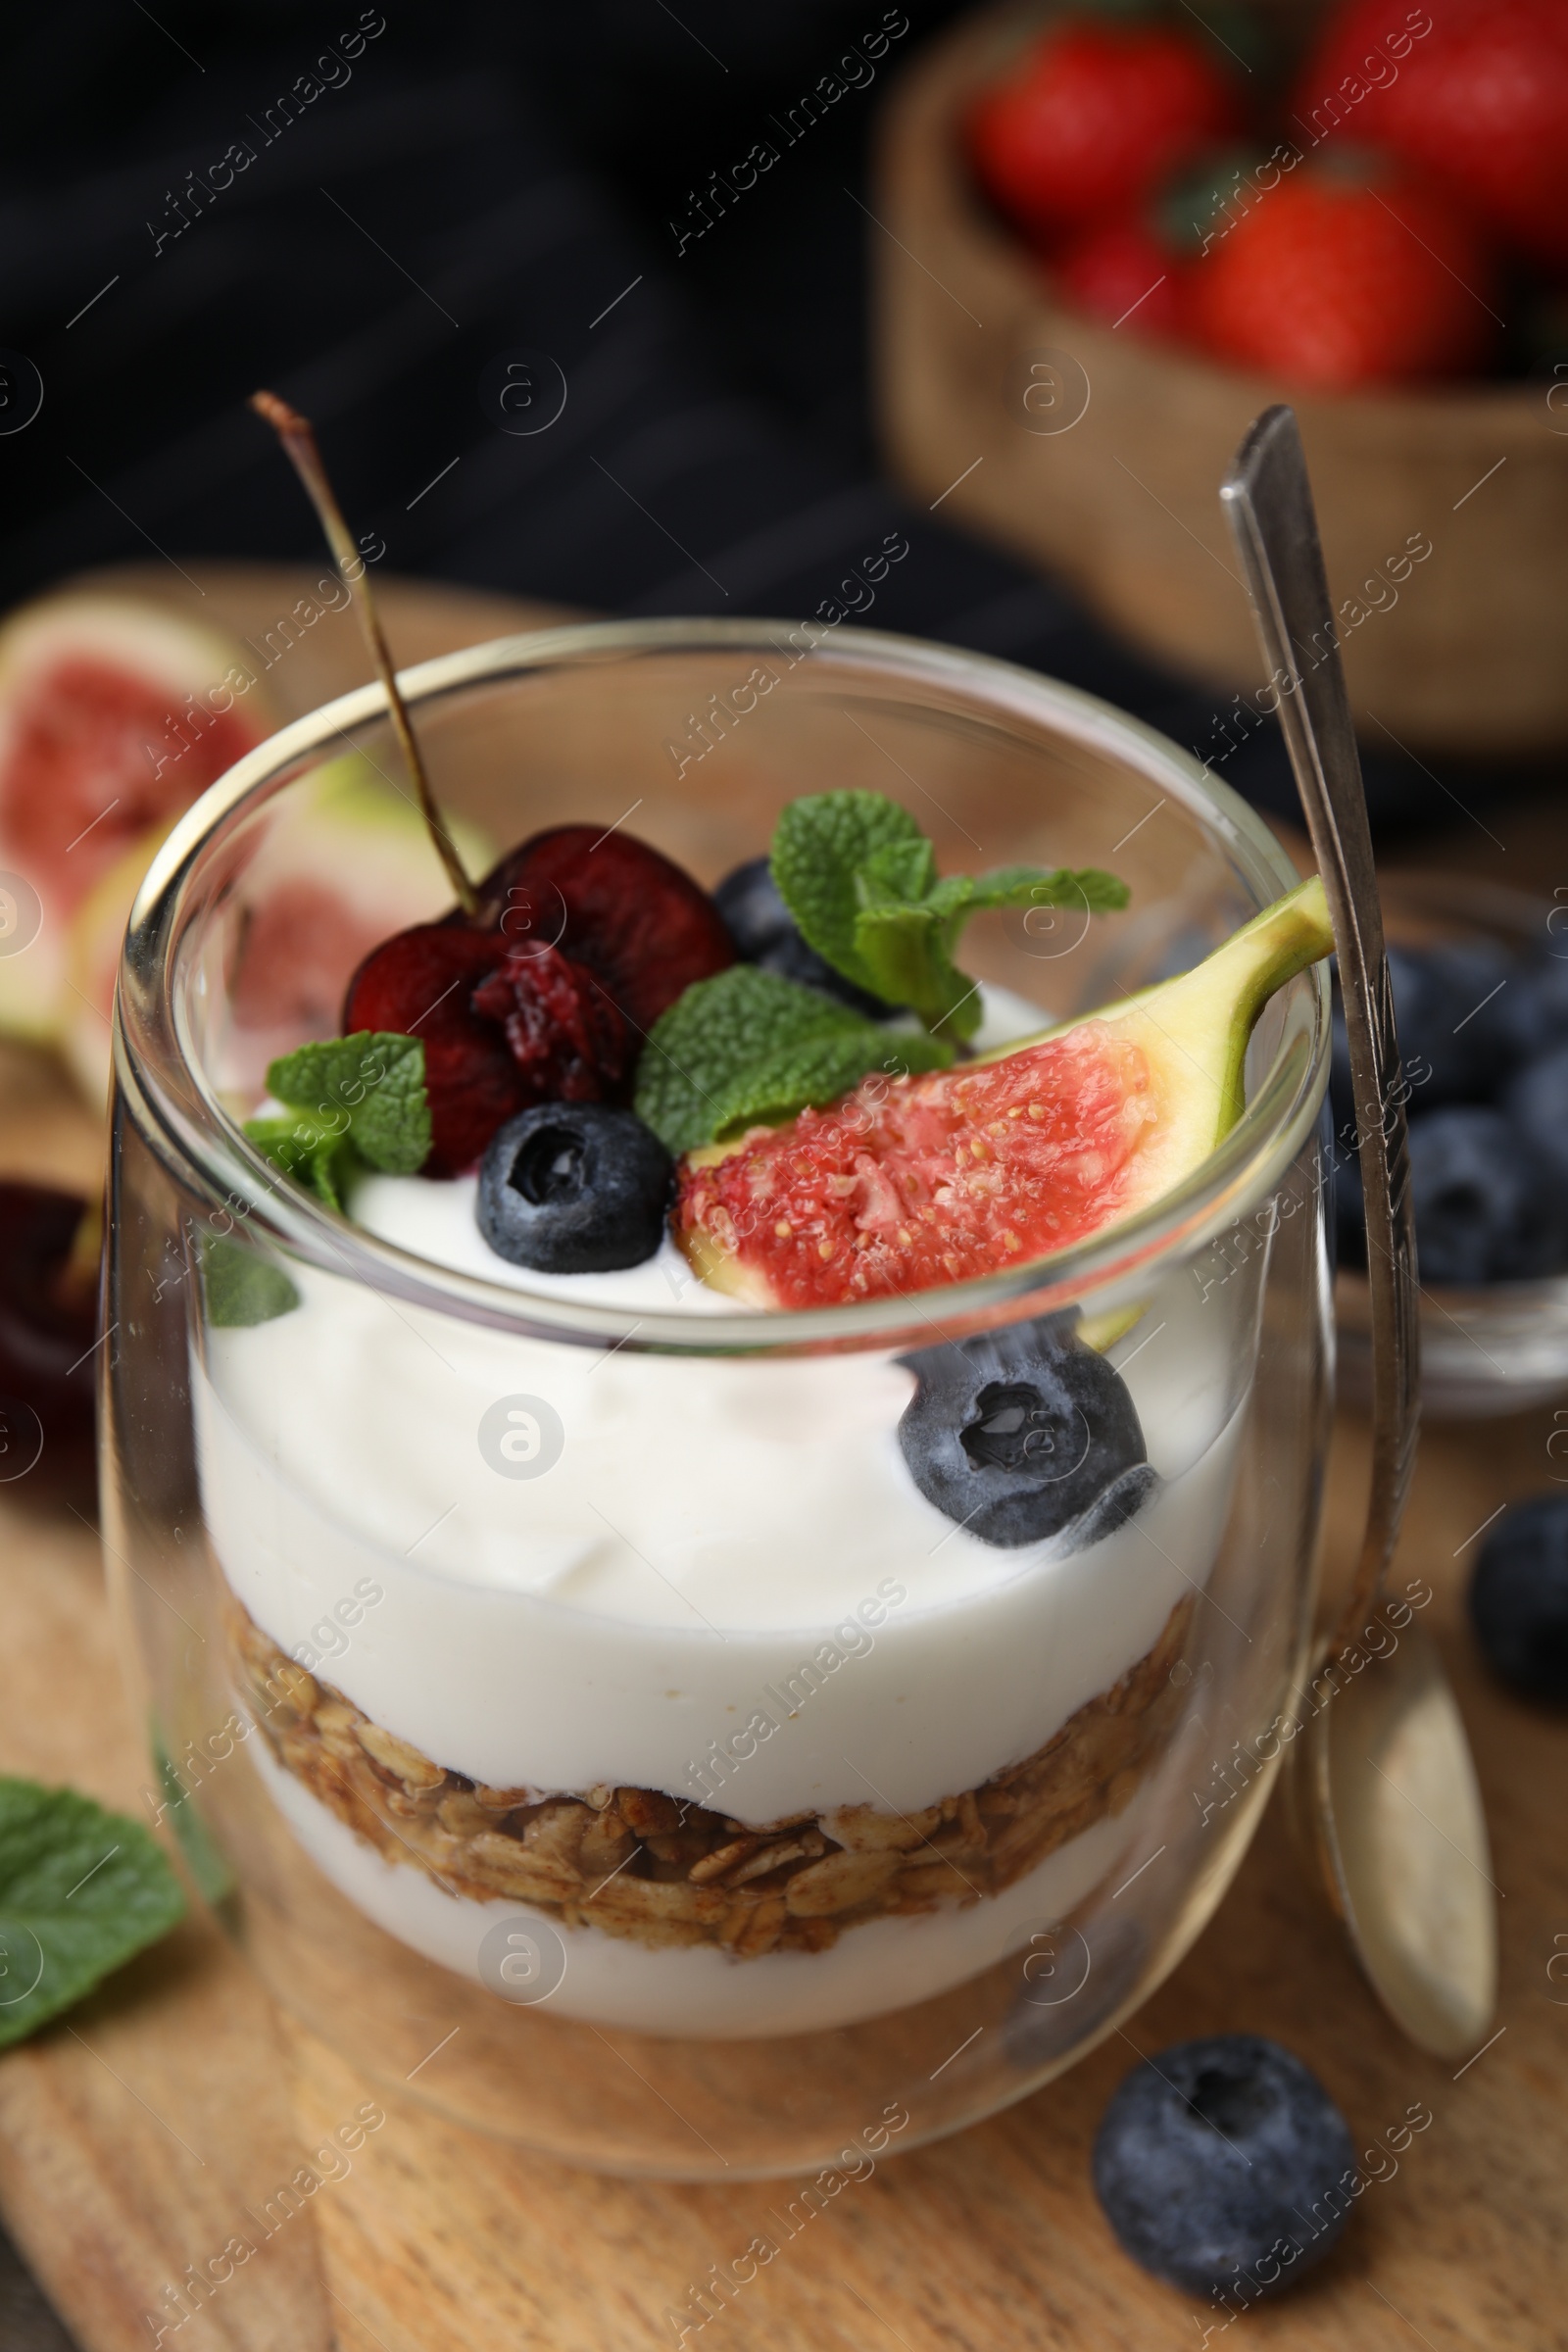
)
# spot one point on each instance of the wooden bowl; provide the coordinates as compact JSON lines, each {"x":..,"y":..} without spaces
{"x":1101,"y":456}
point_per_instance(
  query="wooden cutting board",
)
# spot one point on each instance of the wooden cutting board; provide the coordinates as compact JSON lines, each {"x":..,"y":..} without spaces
{"x":135,"y":2133}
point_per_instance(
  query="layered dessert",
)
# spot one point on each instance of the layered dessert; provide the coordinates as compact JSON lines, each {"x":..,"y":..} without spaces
{"x":769,"y":1688}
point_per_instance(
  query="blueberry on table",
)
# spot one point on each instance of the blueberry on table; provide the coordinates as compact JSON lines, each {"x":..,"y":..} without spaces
{"x":574,"y":1188}
{"x":1224,"y":2162}
{"x":1538,"y":1007}
{"x":1519,"y":1598}
{"x":765,"y":934}
{"x":1488,"y":1208}
{"x":1536,"y":1101}
{"x":1021,"y":1433}
{"x":1462,"y":1011}
{"x":1455,"y":1008}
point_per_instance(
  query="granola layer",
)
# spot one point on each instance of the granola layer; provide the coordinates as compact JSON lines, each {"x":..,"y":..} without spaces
{"x":664,"y":1870}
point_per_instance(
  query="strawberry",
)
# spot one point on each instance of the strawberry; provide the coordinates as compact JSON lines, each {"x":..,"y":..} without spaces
{"x":1337,"y":278}
{"x":1093,"y":116}
{"x":1478,"y":100}
{"x":1124,"y":273}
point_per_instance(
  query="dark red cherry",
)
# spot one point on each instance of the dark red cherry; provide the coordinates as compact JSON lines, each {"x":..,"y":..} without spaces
{"x":48,"y":1323}
{"x":566,"y":1038}
{"x":584,"y":938}
{"x":502,"y":1029}
{"x":420,"y":983}
{"x":611,"y":901}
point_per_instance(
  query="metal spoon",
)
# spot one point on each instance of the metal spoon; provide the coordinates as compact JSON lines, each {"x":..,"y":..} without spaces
{"x":1385,"y":1778}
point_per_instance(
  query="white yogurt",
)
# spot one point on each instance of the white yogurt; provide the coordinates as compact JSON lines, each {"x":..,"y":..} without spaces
{"x":725,"y":1585}
{"x":723,"y":1543}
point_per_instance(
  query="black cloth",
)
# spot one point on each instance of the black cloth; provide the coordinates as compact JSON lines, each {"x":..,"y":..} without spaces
{"x":366,"y":209}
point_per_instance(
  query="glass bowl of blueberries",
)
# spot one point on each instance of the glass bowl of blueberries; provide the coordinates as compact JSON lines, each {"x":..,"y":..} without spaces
{"x":1481,"y":997}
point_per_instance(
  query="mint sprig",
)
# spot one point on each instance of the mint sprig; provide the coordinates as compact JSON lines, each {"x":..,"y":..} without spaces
{"x":860,"y":878}
{"x":748,"y":1049}
{"x":820,"y":845}
{"x":241,"y":1287}
{"x":81,"y":1890}
{"x":349,"y":1101}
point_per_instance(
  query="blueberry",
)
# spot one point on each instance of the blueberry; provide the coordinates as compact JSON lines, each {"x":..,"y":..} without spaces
{"x":1519,"y":1598}
{"x":1487,"y":1208}
{"x":1539,"y":1008}
{"x":1022,"y":1434}
{"x":1454,"y":1006}
{"x":574,"y":1188}
{"x":1537,"y":1100}
{"x":1224,"y":2164}
{"x":764,"y":933}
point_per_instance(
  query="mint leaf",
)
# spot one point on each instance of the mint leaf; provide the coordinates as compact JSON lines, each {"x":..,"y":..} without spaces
{"x":860,"y":878}
{"x":242,"y":1287}
{"x":748,"y":1047}
{"x":371,"y":1084}
{"x":900,"y":869}
{"x":904,"y":946}
{"x":821,"y":846}
{"x":1085,"y":886}
{"x":819,"y":1069}
{"x":310,"y":1155}
{"x":81,"y":1892}
{"x":349,"y":1100}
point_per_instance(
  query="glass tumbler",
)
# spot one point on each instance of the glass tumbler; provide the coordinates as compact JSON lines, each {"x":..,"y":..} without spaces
{"x":576,"y":1714}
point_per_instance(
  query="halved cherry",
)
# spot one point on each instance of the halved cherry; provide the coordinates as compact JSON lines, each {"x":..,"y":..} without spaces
{"x":568,"y":1040}
{"x":613,"y":903}
{"x":502,"y":1029}
{"x":420,"y":983}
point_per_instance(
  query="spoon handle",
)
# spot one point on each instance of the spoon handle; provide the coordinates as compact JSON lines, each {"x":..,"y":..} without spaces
{"x":1268,"y":500}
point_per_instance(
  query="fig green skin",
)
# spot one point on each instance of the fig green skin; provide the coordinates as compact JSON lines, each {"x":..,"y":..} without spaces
{"x":1198,"y":1024}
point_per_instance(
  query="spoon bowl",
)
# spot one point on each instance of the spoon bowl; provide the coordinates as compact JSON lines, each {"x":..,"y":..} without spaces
{"x":1394,"y":1812}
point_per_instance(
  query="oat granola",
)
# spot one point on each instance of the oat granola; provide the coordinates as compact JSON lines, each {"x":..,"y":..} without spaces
{"x":664,"y":1870}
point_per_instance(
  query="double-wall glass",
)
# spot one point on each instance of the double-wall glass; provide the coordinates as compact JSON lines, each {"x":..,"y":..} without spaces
{"x":577,"y":1713}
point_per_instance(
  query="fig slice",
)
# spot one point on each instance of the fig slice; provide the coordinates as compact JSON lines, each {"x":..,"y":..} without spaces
{"x":343,"y":855}
{"x":945,"y":1177}
{"x":114,"y":716}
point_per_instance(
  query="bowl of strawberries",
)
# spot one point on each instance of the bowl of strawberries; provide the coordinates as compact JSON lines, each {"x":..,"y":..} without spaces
{"x":1135,"y":229}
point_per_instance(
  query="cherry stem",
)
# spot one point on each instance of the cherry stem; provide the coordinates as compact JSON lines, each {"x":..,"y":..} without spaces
{"x":298,"y":444}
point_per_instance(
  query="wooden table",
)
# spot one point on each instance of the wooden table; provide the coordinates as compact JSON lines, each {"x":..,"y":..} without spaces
{"x":132,"y":2132}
